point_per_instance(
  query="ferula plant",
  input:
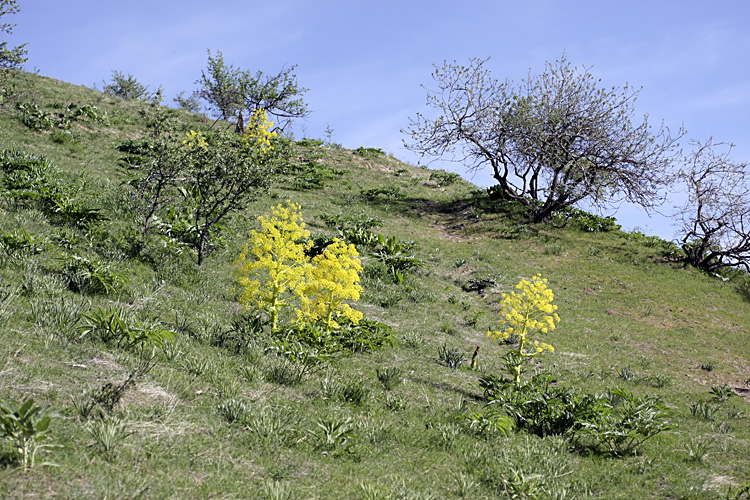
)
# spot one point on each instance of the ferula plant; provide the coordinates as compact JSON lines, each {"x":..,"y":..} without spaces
{"x":525,"y":314}
{"x":333,"y":278}
{"x":259,"y":131}
{"x":272,"y":266}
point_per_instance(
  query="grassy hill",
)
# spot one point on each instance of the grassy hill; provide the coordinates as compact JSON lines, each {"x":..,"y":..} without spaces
{"x":217,"y":415}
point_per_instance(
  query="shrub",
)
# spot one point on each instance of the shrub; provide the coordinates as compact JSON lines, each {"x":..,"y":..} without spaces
{"x":127,"y":87}
{"x":444,"y":178}
{"x":369,"y":153}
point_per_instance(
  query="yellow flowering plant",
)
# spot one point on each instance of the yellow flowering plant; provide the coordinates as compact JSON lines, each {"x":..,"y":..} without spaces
{"x":195,"y":140}
{"x":273,"y":266}
{"x":525,"y":313}
{"x":258,"y":131}
{"x":333,"y":278}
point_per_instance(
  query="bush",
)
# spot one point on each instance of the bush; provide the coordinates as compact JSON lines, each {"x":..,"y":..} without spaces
{"x":444,"y":178}
{"x":369,"y":153}
{"x":585,"y":221}
{"x":127,"y":87}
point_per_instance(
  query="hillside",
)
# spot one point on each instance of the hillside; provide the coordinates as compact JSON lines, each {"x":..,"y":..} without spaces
{"x":219,"y":415}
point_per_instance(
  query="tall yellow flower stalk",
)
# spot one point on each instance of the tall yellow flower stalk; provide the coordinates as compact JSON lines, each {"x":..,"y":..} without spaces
{"x":273,"y":266}
{"x":527,"y":313}
{"x":333,"y":278}
{"x":258,"y":131}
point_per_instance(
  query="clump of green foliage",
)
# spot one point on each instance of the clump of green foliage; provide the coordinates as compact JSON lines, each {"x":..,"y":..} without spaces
{"x":369,"y":153}
{"x":27,"y":428}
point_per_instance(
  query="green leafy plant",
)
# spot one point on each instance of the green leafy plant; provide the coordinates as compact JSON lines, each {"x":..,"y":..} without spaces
{"x":722,"y":392}
{"x":114,"y":326}
{"x":27,"y":428}
{"x":355,"y":392}
{"x":479,"y":284}
{"x":389,"y":377}
{"x":451,"y":357}
{"x":488,"y":424}
{"x":396,"y":402}
{"x":369,"y":153}
{"x":89,"y":275}
{"x":235,"y":411}
{"x":356,"y":229}
{"x":20,"y":244}
{"x":109,"y":433}
{"x":444,"y":178}
{"x":624,"y":422}
{"x":584,"y":221}
{"x":708,"y":366}
{"x":389,"y":193}
{"x":396,"y":256}
{"x":311,"y":174}
{"x":333,"y":435}
{"x":696,"y":450}
{"x":8,"y":296}
{"x":703,"y":410}
{"x":330,"y":387}
{"x":538,"y":407}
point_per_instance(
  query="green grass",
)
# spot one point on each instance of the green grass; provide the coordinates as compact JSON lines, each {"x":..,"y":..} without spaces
{"x":629,"y":318}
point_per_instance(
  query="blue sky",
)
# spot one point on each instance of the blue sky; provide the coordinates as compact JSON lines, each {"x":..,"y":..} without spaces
{"x":364,"y":61}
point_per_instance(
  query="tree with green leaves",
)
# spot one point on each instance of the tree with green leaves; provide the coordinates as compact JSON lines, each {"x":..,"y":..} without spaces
{"x":235,"y":94}
{"x":198,"y":178}
{"x":555,"y":140}
{"x":10,"y":58}
{"x":223,"y":173}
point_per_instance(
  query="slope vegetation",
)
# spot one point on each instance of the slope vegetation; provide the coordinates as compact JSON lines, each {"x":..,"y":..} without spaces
{"x":215,"y":413}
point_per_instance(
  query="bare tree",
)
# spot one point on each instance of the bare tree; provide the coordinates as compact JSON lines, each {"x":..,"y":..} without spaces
{"x":715,"y":218}
{"x":552,"y":141}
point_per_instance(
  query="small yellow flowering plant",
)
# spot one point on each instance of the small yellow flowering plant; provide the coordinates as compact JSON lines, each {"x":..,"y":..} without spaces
{"x":273,"y":266}
{"x":526,"y":313}
{"x":333,"y":278}
{"x":195,"y":140}
{"x":258,"y":131}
